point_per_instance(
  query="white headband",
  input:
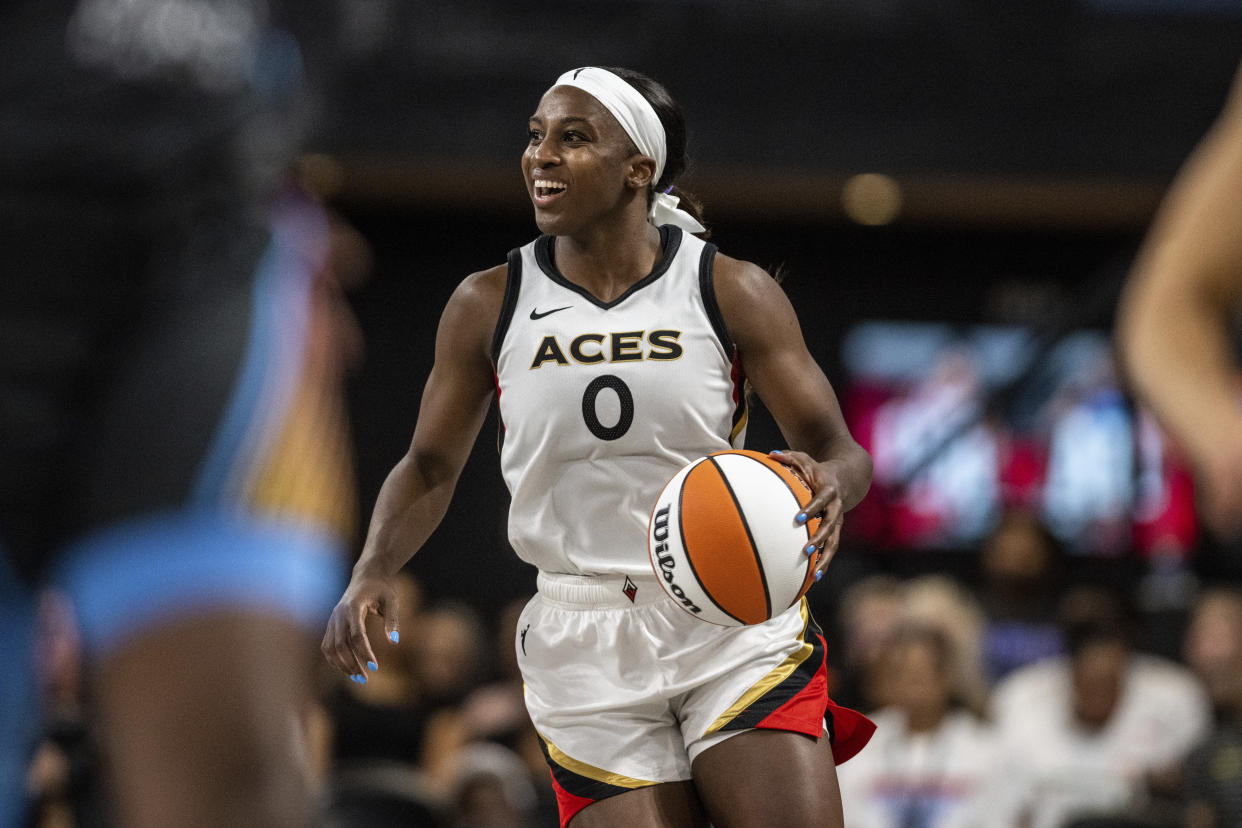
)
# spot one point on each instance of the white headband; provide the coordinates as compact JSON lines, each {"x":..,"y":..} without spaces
{"x":640,"y":121}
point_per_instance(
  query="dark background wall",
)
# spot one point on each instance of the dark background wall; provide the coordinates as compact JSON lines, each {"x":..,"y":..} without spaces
{"x":1029,"y":143}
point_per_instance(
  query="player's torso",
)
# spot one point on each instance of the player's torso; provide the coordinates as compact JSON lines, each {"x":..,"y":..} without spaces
{"x":601,"y":403}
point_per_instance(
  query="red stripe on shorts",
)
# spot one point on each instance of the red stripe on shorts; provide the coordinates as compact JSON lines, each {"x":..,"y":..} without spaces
{"x":568,"y":804}
{"x":805,"y":713}
{"x":851,"y":731}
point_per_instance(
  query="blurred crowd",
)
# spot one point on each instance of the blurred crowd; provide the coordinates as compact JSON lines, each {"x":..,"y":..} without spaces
{"x":1038,"y":700}
{"x":1025,"y":699}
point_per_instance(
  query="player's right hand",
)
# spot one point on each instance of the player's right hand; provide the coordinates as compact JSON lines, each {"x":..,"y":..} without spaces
{"x":345,"y":643}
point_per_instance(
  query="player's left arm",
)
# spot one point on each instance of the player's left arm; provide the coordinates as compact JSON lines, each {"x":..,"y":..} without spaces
{"x":765,"y":328}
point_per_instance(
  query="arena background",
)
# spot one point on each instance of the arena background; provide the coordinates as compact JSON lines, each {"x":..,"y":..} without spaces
{"x":964,"y":163}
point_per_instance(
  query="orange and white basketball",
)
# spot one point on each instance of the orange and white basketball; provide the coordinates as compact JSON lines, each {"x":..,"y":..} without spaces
{"x":724,"y":540}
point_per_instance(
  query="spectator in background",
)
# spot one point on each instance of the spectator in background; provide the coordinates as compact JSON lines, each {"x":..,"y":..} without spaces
{"x":1083,"y":733}
{"x":943,"y":604}
{"x":381,"y":721}
{"x":870,"y":612}
{"x":450,"y":656}
{"x":1178,"y":317}
{"x":399,"y":735}
{"x":933,"y":762}
{"x":1021,"y":562}
{"x":492,"y":789}
{"x":1213,"y":649}
{"x":495,"y":714}
{"x":63,"y":779}
{"x":425,"y":742}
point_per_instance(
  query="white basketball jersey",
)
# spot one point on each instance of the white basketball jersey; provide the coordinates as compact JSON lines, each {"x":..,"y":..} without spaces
{"x":602,"y":402}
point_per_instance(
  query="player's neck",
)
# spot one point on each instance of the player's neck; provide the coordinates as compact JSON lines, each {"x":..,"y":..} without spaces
{"x":609,"y":259}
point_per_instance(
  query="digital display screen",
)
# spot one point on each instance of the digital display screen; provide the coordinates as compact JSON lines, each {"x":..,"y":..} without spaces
{"x":964,"y":422}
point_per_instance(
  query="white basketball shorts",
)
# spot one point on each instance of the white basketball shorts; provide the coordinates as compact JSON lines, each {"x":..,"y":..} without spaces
{"x":626,"y":688}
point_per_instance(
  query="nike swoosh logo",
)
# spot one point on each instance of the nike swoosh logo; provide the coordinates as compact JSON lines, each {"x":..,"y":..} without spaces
{"x":534,"y":314}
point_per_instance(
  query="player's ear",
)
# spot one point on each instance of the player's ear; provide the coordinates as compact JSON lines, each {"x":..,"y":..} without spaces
{"x":641,"y":172}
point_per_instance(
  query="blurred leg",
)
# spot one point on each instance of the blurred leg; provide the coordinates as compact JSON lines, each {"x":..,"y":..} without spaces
{"x":200,"y":722}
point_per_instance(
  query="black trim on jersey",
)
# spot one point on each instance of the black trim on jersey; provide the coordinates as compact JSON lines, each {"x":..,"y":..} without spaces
{"x":707,"y":288}
{"x":513,"y":284}
{"x":670,"y":242}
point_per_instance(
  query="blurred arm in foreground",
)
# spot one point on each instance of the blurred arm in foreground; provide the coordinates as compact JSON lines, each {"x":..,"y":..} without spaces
{"x":1180,"y":310}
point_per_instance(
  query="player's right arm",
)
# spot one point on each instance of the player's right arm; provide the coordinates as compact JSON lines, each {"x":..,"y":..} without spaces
{"x":1177,"y":315}
{"x":417,"y":491}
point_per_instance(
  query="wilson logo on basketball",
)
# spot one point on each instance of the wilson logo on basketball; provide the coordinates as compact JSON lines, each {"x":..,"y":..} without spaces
{"x":725,"y":542}
{"x":659,"y":534}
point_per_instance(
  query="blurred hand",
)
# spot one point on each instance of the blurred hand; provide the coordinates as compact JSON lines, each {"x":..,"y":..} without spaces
{"x":345,"y":643}
{"x":1220,"y":495}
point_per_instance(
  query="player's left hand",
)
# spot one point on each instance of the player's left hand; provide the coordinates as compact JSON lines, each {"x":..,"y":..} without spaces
{"x":826,"y":504}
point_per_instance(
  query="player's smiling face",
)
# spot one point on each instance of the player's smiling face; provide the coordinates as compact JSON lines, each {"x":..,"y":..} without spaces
{"x":576,"y":161}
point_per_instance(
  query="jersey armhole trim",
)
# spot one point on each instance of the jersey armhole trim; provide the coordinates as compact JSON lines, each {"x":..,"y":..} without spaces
{"x":513,"y":285}
{"x":707,"y":289}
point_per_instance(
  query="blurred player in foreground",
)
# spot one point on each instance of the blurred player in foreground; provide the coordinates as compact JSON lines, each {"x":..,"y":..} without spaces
{"x":1180,"y":314}
{"x":173,"y":444}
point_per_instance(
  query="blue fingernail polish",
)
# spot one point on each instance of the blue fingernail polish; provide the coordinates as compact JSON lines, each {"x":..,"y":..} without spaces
{"x":395,"y":636}
{"x":801,"y":517}
{"x":354,"y":679}
{"x":777,"y":451}
{"x":810,"y":549}
{"x":362,"y":679}
{"x":372,"y":666}
{"x":819,"y":575}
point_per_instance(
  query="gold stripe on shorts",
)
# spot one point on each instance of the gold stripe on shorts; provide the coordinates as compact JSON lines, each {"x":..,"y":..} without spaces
{"x":772,"y":679}
{"x":590,"y":771}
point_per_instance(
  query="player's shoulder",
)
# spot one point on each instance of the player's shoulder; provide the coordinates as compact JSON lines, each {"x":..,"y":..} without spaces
{"x":738,"y":274}
{"x":741,"y":284}
{"x":481,"y":293}
{"x":483,"y":285}
{"x":749,"y":299}
{"x":474,"y":307}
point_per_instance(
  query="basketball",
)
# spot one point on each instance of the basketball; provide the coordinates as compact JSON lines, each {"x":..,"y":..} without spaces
{"x":724,"y":542}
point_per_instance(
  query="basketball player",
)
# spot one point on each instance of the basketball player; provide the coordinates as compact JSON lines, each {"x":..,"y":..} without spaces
{"x":172,"y":443}
{"x":616,"y":345}
{"x":1178,"y":317}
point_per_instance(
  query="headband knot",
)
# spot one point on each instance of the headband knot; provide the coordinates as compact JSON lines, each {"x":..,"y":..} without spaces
{"x":640,"y":121}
